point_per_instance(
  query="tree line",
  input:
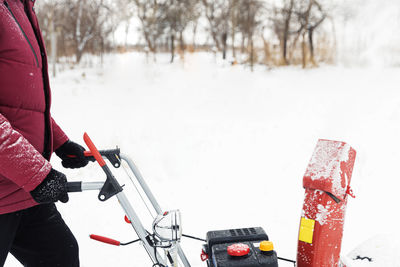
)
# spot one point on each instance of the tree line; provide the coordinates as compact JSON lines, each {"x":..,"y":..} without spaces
{"x":271,"y":32}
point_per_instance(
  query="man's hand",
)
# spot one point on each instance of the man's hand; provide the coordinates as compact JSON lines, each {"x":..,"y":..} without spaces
{"x":52,"y":189}
{"x":72,"y":155}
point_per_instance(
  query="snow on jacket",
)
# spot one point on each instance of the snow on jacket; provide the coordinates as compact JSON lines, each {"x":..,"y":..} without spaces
{"x":28,"y":134}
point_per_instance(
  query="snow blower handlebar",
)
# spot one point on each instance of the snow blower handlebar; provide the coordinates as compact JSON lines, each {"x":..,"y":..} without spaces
{"x":83,"y":186}
{"x":111,"y":187}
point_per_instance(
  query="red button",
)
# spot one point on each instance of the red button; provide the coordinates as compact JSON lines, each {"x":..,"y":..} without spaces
{"x":238,"y":249}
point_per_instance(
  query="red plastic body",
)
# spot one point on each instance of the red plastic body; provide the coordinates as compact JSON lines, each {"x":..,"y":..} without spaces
{"x":93,"y":150}
{"x":105,"y":240}
{"x":327,"y":184}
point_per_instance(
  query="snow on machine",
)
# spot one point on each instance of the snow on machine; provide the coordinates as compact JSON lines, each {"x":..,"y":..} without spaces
{"x":327,"y":183}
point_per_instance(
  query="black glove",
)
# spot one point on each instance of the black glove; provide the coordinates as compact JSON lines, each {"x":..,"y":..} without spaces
{"x":52,"y":189}
{"x":72,"y":155}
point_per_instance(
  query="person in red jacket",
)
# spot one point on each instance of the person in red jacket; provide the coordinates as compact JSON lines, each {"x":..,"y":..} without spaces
{"x":31,"y":228}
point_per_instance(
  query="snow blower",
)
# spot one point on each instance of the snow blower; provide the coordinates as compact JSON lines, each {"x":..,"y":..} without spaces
{"x":328,"y":174}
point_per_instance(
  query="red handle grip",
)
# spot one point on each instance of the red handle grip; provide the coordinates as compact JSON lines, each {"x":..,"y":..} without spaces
{"x":105,"y":240}
{"x":93,"y":150}
{"x":87,"y":154}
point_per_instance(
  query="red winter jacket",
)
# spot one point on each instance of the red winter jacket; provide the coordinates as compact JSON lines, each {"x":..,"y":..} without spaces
{"x":28,"y":134}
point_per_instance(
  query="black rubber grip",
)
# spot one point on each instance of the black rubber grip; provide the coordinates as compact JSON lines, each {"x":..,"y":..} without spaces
{"x":106,"y":152}
{"x":74,"y":187}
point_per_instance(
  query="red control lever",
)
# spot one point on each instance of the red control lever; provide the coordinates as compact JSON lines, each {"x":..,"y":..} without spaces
{"x":93,"y":150}
{"x":105,"y":240}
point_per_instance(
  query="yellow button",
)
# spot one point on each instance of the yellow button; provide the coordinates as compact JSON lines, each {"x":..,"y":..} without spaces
{"x":266,"y":246}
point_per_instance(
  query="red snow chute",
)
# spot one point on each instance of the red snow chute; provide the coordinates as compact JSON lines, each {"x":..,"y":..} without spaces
{"x":327,"y":184}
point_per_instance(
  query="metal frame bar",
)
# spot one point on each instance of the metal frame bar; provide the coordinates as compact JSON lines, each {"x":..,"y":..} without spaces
{"x":85,"y":186}
{"x":139,"y":228}
{"x":152,"y":199}
{"x":133,"y":217}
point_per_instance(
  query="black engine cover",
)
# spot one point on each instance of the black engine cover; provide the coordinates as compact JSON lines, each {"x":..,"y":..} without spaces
{"x":218,"y":242}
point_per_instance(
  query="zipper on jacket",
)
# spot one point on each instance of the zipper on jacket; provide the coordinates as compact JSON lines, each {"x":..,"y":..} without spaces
{"x":26,"y":37}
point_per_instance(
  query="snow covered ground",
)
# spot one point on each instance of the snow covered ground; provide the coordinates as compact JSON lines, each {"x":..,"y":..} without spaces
{"x":229,"y":148}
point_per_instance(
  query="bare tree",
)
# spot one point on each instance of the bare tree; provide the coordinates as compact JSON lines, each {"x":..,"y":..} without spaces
{"x":317,"y":17}
{"x":151,"y":16}
{"x":178,"y":15}
{"x":195,"y":15}
{"x":310,"y":16}
{"x":72,"y":27}
{"x":217,"y":13}
{"x":210,"y":10}
{"x":234,"y":18}
{"x":282,"y":17}
{"x":249,"y":23}
{"x":84,"y":21}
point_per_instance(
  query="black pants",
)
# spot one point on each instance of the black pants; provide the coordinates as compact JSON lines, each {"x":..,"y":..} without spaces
{"x":38,"y":237}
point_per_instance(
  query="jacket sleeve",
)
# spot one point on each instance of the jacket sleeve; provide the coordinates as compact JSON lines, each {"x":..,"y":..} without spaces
{"x":20,"y":162}
{"x":59,"y":137}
